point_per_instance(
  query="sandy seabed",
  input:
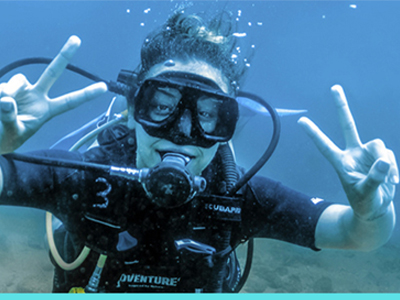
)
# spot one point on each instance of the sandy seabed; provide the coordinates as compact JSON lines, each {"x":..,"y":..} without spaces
{"x":277,"y":267}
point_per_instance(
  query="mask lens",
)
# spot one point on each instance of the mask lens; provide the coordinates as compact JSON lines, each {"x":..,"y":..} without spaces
{"x":208,"y":113}
{"x":159,"y":103}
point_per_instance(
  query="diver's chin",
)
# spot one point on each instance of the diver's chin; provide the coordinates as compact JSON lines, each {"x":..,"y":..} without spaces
{"x":193,"y":171}
{"x":193,"y":168}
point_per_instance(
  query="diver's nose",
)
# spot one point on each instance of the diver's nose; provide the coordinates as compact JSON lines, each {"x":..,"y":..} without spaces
{"x":185,"y":124}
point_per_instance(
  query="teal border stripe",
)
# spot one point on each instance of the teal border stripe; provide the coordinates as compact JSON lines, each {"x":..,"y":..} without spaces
{"x":205,"y":296}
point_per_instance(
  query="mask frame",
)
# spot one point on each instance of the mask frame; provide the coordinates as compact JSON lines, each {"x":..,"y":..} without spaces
{"x":192,"y":88}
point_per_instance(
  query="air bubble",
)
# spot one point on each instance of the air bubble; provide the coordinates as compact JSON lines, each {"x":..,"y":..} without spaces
{"x":169,"y":63}
{"x":237,"y":34}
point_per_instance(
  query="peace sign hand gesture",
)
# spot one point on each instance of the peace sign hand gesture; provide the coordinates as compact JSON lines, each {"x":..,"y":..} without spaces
{"x":368,"y":172}
{"x":25,"y":107}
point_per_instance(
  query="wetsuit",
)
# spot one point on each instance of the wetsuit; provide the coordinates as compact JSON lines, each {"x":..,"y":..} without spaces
{"x":113,"y":216}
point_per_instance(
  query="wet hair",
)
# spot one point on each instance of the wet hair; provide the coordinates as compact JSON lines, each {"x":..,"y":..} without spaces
{"x":189,"y":36}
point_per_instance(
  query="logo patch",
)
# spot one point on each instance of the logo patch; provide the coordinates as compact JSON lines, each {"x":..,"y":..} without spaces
{"x":147,"y":281}
{"x":222,"y":208}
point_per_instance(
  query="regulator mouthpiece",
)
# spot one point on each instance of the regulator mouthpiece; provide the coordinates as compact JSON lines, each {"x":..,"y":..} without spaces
{"x":169,"y":184}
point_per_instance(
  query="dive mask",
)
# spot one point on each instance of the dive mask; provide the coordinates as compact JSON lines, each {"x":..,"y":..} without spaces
{"x":186,"y":109}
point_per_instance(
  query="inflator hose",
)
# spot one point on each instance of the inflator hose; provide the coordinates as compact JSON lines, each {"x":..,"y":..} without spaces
{"x":222,"y":236}
{"x":229,"y":169}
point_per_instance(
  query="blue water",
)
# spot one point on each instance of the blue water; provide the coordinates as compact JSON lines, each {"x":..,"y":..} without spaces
{"x":302,"y":49}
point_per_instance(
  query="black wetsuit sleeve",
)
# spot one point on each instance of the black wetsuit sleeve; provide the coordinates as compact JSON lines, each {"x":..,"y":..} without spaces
{"x":68,"y":192}
{"x":272,"y":210}
{"x":39,"y":186}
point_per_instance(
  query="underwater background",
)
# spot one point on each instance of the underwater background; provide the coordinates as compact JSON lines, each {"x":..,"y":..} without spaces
{"x":302,"y":48}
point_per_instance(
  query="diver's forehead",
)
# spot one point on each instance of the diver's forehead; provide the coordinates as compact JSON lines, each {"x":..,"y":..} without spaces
{"x":195,"y":67}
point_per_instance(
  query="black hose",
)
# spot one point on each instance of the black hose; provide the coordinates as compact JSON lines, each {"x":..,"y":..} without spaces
{"x":249,"y":261}
{"x":221,"y":238}
{"x":85,"y":166}
{"x":268,"y":152}
{"x":115,"y":87}
{"x":46,"y":61}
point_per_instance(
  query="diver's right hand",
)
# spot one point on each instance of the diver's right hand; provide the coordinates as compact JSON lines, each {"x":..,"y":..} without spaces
{"x":25,"y":107}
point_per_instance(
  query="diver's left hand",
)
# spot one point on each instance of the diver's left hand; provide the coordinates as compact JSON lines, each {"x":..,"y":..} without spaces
{"x":368,"y":172}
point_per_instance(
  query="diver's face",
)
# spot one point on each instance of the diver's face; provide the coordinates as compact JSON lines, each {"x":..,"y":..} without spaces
{"x":150,"y":147}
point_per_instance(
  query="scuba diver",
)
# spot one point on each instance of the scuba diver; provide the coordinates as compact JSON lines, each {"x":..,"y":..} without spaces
{"x":170,"y":212}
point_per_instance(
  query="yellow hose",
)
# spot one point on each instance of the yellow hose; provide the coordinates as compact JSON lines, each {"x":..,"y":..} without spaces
{"x":102,"y":261}
{"x":53,"y":249}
